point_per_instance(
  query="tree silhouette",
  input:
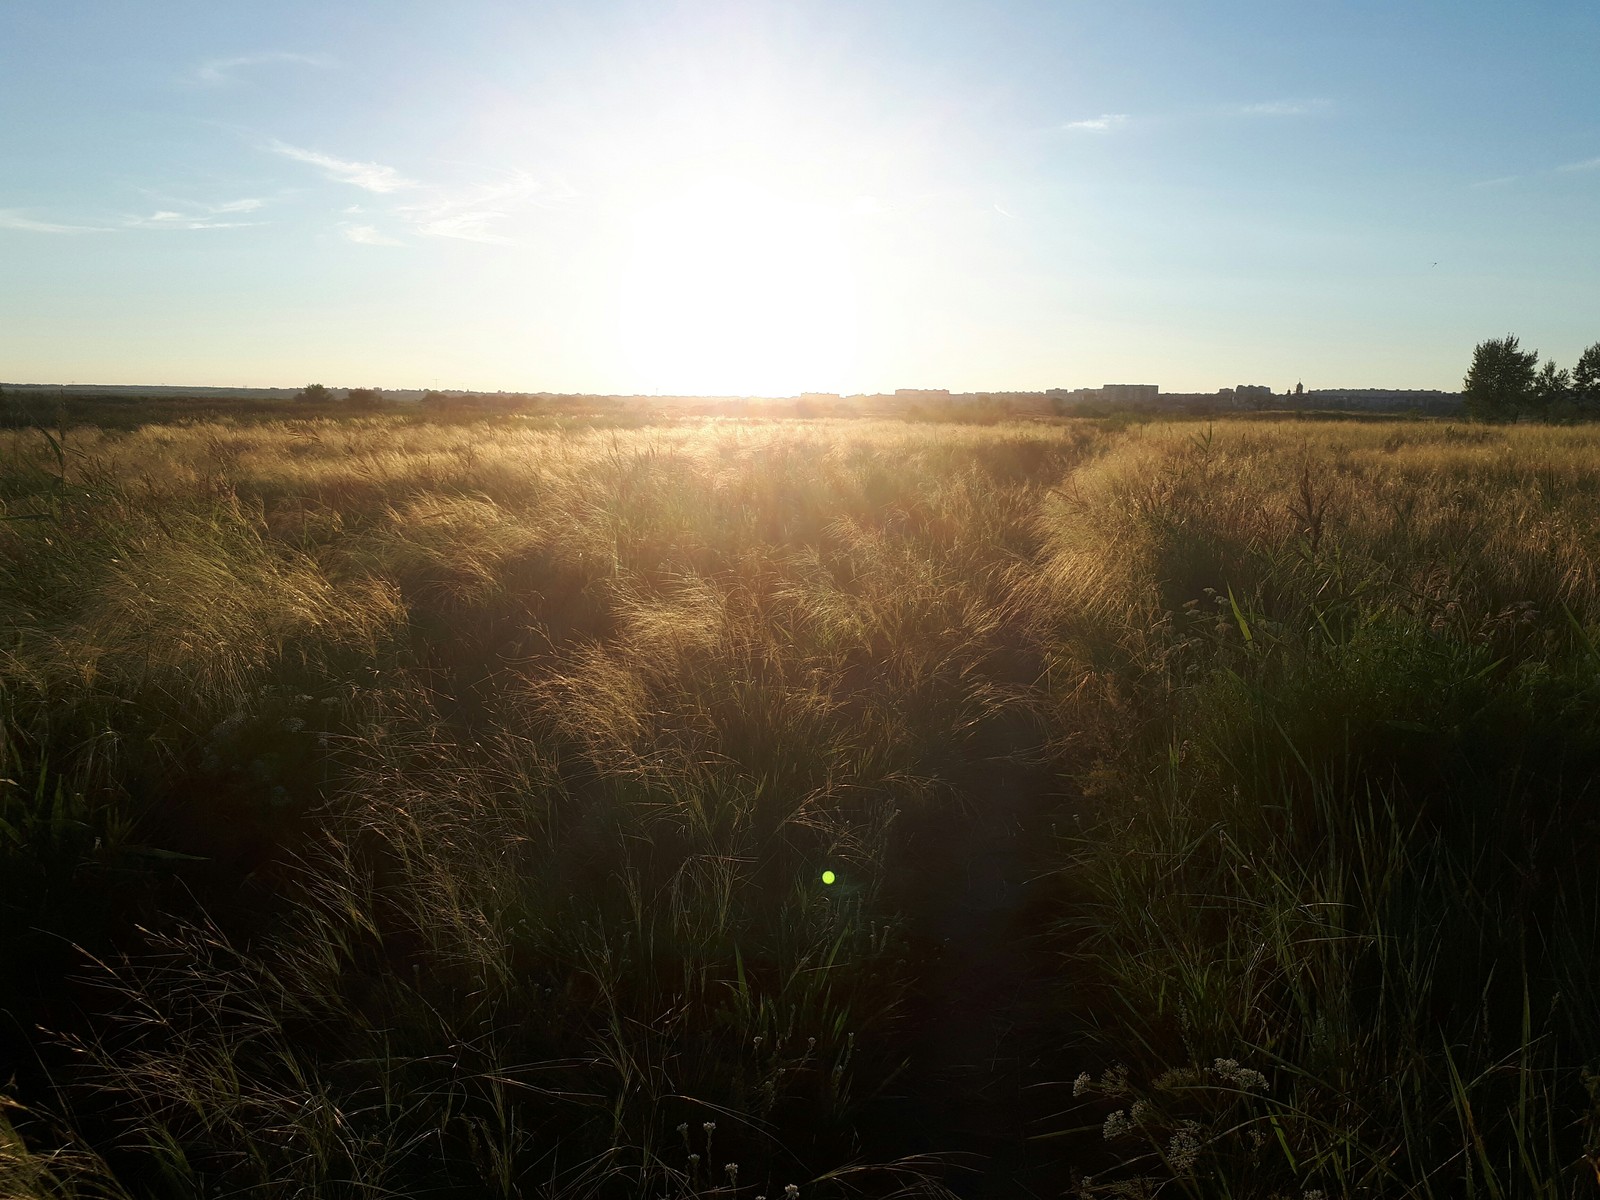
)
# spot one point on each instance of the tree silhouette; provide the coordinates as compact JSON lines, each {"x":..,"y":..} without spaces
{"x":1501,"y":381}
{"x":315,"y":393}
{"x":1586,"y":382}
{"x":364,"y":397}
{"x":1552,"y":393}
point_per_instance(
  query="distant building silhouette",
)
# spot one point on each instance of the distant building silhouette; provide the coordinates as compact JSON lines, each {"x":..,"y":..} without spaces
{"x":1139,"y":394}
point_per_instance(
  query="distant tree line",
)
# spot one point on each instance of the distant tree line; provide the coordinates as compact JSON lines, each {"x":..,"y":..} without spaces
{"x":1506,"y":383}
{"x":369,"y":399}
{"x":433,"y":400}
{"x":316,"y":393}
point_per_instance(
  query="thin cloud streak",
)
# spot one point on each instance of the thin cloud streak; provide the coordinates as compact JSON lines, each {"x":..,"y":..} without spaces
{"x":224,"y":70}
{"x":370,"y":176}
{"x":167,"y":219}
{"x":11,"y":219}
{"x":1588,"y":164}
{"x":471,"y":214}
{"x":1499,"y":181}
{"x":468,"y":213}
{"x":368,"y":235}
{"x":176,"y":212}
{"x":1280,"y":108}
{"x":1104,"y":123}
{"x":466,"y":227}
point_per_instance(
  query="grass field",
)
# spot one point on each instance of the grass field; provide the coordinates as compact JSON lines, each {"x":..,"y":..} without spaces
{"x":391,"y":807}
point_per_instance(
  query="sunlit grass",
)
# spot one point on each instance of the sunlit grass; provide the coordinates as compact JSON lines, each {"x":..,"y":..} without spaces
{"x":445,"y":807}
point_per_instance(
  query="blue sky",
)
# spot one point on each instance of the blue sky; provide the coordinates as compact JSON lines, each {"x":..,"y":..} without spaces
{"x":751,"y":197}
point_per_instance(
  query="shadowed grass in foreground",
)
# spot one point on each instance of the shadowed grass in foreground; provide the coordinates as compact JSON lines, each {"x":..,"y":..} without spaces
{"x":405,"y":808}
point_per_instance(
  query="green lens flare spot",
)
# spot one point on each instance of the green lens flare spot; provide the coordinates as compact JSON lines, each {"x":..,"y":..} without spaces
{"x":828,"y":877}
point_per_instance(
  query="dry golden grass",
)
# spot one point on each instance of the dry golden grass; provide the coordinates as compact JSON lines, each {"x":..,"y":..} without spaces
{"x":513,"y":755}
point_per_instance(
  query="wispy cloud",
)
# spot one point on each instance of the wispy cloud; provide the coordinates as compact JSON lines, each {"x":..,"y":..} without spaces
{"x":1107,"y":122}
{"x":1104,"y":123}
{"x":466,"y":227}
{"x":1279,"y":108}
{"x":368,"y":235}
{"x":1588,"y":164}
{"x":11,"y":219}
{"x":226,"y":70}
{"x":463,"y":211}
{"x":474,"y":213}
{"x":168,"y":219}
{"x":175,"y":212}
{"x":373,"y":177}
{"x":1499,"y":181}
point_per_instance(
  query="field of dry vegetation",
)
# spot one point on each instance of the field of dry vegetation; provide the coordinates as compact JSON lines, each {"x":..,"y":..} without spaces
{"x":401,"y":808}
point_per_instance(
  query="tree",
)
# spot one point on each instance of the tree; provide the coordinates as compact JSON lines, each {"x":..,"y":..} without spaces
{"x":315,"y":393}
{"x":1586,"y":382}
{"x":364,"y":397}
{"x":1500,"y":382}
{"x":1552,"y":393}
{"x":434,"y":400}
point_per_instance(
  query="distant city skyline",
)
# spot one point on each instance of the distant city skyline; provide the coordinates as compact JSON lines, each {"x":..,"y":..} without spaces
{"x":763,"y":198}
{"x":1112,"y":392}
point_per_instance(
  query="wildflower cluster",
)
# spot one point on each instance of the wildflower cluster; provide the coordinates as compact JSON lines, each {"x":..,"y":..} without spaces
{"x":1166,"y":1130}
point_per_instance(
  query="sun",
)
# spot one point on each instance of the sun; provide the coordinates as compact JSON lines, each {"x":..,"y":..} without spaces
{"x":734,"y":286}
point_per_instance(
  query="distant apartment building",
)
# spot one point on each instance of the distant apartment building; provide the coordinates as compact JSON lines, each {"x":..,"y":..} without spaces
{"x":1135,"y":394}
{"x":1250,"y":394}
{"x":1258,"y":397}
{"x":1382,"y":399}
{"x":1013,"y":404}
{"x":921,"y":395}
{"x":1129,"y":393}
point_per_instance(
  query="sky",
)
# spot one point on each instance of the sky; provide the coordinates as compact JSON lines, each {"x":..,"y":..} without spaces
{"x":758,"y":197}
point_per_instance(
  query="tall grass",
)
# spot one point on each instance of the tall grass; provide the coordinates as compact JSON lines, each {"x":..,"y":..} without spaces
{"x":396,"y":807}
{"x":1339,"y":935}
{"x":539,"y":742}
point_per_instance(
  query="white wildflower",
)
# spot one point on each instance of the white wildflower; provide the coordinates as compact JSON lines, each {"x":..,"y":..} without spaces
{"x":1082,"y":1083}
{"x":1184,"y":1149}
{"x":1115,"y":1081}
{"x":1142,"y":1112}
{"x":1229,"y":1070}
{"x":1116,"y":1125}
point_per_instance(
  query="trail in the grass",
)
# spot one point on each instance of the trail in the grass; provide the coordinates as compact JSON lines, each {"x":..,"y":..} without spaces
{"x":983,"y":1040}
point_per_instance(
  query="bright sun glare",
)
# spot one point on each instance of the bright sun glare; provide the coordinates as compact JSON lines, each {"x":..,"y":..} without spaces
{"x":732,"y":287}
